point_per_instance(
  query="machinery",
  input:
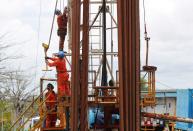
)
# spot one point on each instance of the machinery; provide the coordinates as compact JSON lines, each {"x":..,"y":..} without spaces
{"x":92,"y":58}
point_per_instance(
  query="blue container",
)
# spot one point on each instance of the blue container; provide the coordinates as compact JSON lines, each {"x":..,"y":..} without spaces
{"x":184,"y":108}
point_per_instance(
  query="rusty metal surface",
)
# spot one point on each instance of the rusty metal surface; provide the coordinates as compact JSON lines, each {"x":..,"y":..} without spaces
{"x":75,"y":63}
{"x":100,"y":2}
{"x":149,"y":98}
{"x":129,"y":65}
{"x":128,"y":32}
{"x":167,"y":117}
{"x":84,"y":68}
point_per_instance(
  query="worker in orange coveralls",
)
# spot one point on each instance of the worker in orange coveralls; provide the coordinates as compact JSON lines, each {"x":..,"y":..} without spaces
{"x":62,"y":20}
{"x":62,"y":75}
{"x":50,"y":97}
{"x":62,"y":80}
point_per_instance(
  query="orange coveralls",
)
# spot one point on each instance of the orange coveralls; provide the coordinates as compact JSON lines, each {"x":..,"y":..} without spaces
{"x":51,"y":105}
{"x":63,"y":87}
{"x":62,"y":75}
{"x":62,"y":29}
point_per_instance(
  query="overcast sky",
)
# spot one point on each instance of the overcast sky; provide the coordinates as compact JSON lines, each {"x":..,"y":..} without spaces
{"x":169,"y":24}
{"x":28,"y":22}
{"x":171,"y":46}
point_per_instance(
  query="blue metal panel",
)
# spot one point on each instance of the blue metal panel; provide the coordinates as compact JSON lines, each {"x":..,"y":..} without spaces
{"x":171,"y":94}
{"x":166,"y":94}
{"x":184,"y":107}
{"x":191,"y":106}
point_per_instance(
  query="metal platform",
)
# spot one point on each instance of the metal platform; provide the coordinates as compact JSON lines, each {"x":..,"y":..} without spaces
{"x":53,"y":129}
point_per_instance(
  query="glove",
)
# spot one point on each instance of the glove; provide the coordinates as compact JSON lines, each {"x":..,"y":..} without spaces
{"x":47,"y":57}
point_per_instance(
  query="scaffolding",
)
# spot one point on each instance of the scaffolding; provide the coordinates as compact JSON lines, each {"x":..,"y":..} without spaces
{"x":87,"y":58}
{"x":102,"y":96}
{"x":96,"y":42}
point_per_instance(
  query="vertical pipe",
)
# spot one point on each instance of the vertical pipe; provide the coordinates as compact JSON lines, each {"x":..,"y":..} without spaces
{"x":121,"y":66}
{"x":104,"y":69}
{"x":147,"y":52}
{"x":70,"y":26}
{"x":84,"y":76}
{"x":129,"y":64}
{"x":150,"y":83}
{"x":153,"y":82}
{"x":111,"y":37}
{"x":75,"y":63}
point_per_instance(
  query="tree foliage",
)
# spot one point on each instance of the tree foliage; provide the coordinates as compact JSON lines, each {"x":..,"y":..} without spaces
{"x":15,"y":91}
{"x":5,"y":115}
{"x":14,"y":84}
{"x":143,"y":84}
{"x":7,"y":54}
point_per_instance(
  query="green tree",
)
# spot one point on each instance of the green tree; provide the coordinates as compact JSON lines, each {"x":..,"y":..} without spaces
{"x":5,"y":115}
{"x":13,"y":82}
{"x":143,"y":84}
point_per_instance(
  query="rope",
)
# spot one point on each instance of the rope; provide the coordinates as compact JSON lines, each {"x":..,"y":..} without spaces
{"x":163,"y":84}
{"x":45,"y":51}
{"x":52,"y":24}
{"x":145,"y":33}
{"x":144,"y":14}
{"x":144,"y":76}
{"x":38,"y":38}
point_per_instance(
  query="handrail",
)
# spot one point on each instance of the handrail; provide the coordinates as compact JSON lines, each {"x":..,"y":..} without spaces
{"x":34,"y":112}
{"x":39,"y":122}
{"x":42,"y":118}
{"x":39,"y":103}
{"x":26,"y":110}
{"x":25,"y":121}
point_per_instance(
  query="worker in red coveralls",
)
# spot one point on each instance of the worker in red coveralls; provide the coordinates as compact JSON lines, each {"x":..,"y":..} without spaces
{"x":62,"y":75}
{"x":50,"y":101}
{"x":62,"y":20}
{"x":62,"y":80}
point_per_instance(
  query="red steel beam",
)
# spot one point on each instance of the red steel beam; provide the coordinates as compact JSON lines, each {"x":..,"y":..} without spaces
{"x":129,"y":64}
{"x":167,"y":117}
{"x":75,"y":63}
{"x":84,"y":68}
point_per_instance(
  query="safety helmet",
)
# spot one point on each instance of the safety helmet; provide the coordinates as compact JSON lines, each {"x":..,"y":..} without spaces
{"x":50,"y":86}
{"x":61,"y":54}
{"x":58,"y":12}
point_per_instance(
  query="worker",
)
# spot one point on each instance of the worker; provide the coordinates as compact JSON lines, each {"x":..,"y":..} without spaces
{"x":62,"y":20}
{"x":62,"y":75}
{"x":51,"y":107}
{"x":62,"y":80}
{"x":111,"y":84}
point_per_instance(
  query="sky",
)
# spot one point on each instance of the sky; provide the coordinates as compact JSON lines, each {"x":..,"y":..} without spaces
{"x":169,"y":24}
{"x":28,"y":23}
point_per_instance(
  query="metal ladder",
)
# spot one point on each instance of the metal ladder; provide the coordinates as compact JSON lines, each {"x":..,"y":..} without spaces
{"x":95,"y":41}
